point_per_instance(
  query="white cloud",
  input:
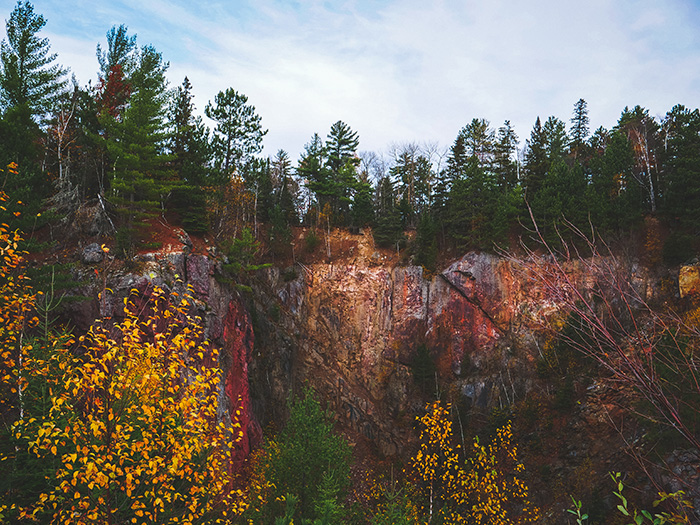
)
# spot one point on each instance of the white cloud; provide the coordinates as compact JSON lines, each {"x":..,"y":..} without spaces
{"x":409,"y":70}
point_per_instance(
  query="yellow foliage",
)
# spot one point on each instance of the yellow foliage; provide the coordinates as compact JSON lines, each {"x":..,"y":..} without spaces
{"x":16,"y":306}
{"x":487,"y":489}
{"x":130,"y":419}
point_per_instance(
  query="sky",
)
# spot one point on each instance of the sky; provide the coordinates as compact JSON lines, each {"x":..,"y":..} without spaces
{"x":403,"y":71}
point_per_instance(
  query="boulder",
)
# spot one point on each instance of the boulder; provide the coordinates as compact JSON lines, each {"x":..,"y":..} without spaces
{"x":92,"y":254}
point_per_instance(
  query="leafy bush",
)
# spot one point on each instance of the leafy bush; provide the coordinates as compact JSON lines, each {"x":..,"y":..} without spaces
{"x":311,"y":241}
{"x":119,"y":426}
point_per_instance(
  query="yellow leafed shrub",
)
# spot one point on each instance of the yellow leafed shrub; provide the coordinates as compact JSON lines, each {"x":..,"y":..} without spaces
{"x":485,"y":489}
{"x":121,"y":424}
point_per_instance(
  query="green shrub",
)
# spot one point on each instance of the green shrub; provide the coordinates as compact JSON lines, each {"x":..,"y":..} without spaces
{"x":311,"y":241}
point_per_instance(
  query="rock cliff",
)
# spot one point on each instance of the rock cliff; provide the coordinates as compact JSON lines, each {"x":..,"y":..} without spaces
{"x":352,"y":331}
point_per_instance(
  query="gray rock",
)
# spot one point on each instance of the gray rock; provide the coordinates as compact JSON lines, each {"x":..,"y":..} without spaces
{"x":92,"y":254}
{"x":184,"y":238}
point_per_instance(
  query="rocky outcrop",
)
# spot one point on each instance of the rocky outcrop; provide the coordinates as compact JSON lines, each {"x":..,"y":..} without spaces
{"x":352,"y":331}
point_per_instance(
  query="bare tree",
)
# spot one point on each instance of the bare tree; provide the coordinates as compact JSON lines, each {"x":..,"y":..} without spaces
{"x":650,"y":349}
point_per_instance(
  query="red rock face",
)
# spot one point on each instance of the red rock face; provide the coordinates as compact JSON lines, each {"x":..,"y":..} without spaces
{"x":358,"y":326}
{"x":238,"y":345}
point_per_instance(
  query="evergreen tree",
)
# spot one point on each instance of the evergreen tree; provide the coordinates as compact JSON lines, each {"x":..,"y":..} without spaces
{"x":362,"y":208}
{"x":281,"y":168}
{"x":504,"y":167}
{"x":643,"y":133}
{"x":342,"y":162}
{"x":330,"y":171}
{"x":579,"y":128}
{"x":257,"y":176}
{"x":238,"y":133}
{"x":30,"y":85}
{"x":189,"y":150}
{"x":341,"y":146}
{"x":306,"y":456}
{"x":554,"y":189}
{"x":413,"y":175}
{"x":404,"y":175}
{"x":599,"y":140}
{"x":142,"y":180}
{"x":312,"y":171}
{"x":536,"y":161}
{"x":285,"y":187}
{"x":279,"y":233}
{"x":479,"y":141}
{"x":456,"y":161}
{"x":682,"y":168}
{"x":555,"y":139}
{"x":111,"y":97}
{"x":117,"y":65}
{"x":426,"y":248}
{"x":614,"y":197}
{"x":28,"y":76}
{"x":188,"y":138}
{"x":121,"y":51}
{"x":388,"y":231}
{"x":471,"y":207}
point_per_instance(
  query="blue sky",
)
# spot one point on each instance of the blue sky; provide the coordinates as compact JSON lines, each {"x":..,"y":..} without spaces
{"x":404,"y":70}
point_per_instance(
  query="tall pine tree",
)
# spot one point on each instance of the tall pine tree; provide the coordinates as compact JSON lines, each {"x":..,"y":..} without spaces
{"x":238,"y":133}
{"x":137,"y":144}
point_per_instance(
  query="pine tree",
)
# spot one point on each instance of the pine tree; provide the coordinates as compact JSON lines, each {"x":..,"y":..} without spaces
{"x":579,"y":128}
{"x":536,"y":161}
{"x":341,"y":146}
{"x":307,"y":461}
{"x":285,"y":187}
{"x":121,"y":51}
{"x":189,"y":149}
{"x":626,"y":202}
{"x":388,"y":232}
{"x":682,"y":168}
{"x":413,"y":175}
{"x":599,"y":140}
{"x":28,"y":76}
{"x":188,"y":138}
{"x":404,"y":173}
{"x":642,"y":131}
{"x":142,"y":179}
{"x":470,"y":208}
{"x":111,"y":97}
{"x":504,"y":166}
{"x":30,"y":84}
{"x":555,"y":139}
{"x":342,"y":161}
{"x":238,"y":133}
{"x":479,"y":141}
{"x":362,"y":208}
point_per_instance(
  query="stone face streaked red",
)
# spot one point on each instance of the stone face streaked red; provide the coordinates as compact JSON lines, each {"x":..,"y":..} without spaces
{"x":357,"y":327}
{"x":238,"y":342}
